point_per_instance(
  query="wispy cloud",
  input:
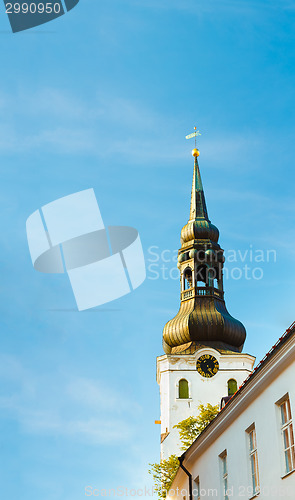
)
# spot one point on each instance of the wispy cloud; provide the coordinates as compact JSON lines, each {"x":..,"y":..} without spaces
{"x":75,"y":408}
{"x":98,"y":395}
{"x":57,"y":121}
{"x":103,"y":126}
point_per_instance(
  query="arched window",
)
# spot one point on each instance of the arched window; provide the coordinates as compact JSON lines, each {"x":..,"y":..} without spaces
{"x":202,"y":276}
{"x":232,"y":386}
{"x":188,"y":278}
{"x":183,"y":389}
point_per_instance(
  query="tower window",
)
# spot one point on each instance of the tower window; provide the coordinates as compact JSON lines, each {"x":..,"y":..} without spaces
{"x":188,"y":279}
{"x":183,"y":392}
{"x":232,"y":387}
{"x":201,"y":255}
{"x":202,"y":275}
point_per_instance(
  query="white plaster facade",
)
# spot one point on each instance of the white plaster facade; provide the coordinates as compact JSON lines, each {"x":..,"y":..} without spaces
{"x":172,"y":368}
{"x":257,"y":404}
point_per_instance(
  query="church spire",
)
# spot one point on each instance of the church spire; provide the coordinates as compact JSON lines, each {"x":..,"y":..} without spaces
{"x":198,"y":208}
{"x":202,"y":318}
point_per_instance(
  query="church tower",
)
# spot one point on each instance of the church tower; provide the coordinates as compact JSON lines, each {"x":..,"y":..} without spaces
{"x":203,"y":360}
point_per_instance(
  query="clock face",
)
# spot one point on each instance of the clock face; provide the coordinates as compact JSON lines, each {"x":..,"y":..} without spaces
{"x":207,"y":365}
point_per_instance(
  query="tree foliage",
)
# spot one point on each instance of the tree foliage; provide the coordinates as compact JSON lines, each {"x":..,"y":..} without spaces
{"x":189,"y":429}
{"x":163,"y":474}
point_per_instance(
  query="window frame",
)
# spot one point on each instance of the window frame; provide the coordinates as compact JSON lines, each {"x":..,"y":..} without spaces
{"x":185,"y":280}
{"x":178,"y":389}
{"x":198,"y":487}
{"x":286,"y":426}
{"x":224,"y":474}
{"x":229,"y":380}
{"x":253,"y":460}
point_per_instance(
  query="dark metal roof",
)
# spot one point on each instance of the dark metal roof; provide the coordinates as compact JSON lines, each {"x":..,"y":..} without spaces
{"x":203,"y":316}
{"x":224,"y":401}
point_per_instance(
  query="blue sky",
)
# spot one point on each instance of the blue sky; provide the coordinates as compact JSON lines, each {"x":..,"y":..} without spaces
{"x":103,"y":97}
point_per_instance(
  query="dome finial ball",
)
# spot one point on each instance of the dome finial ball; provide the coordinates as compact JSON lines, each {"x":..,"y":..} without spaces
{"x":195,"y":152}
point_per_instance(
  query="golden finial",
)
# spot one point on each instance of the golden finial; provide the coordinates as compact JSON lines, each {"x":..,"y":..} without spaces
{"x":195,"y":151}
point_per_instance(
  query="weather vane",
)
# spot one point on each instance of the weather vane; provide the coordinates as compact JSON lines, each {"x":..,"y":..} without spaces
{"x":194,"y":134}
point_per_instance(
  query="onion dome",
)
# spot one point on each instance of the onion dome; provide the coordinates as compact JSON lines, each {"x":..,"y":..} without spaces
{"x":201,"y":229}
{"x":204,"y":320}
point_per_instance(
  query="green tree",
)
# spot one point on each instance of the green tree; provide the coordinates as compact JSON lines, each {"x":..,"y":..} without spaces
{"x":163,"y":474}
{"x":189,"y":429}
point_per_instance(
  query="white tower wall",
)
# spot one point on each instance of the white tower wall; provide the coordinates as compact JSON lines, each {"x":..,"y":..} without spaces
{"x":172,"y":367}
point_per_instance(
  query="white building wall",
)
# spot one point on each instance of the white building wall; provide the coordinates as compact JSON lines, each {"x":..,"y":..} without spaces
{"x":264,"y":412}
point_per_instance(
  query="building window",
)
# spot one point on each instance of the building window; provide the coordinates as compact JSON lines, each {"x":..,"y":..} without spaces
{"x":224,"y":475}
{"x":288,"y":436}
{"x":183,"y":389}
{"x":253,"y":456}
{"x":197,"y":490}
{"x":232,"y":387}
